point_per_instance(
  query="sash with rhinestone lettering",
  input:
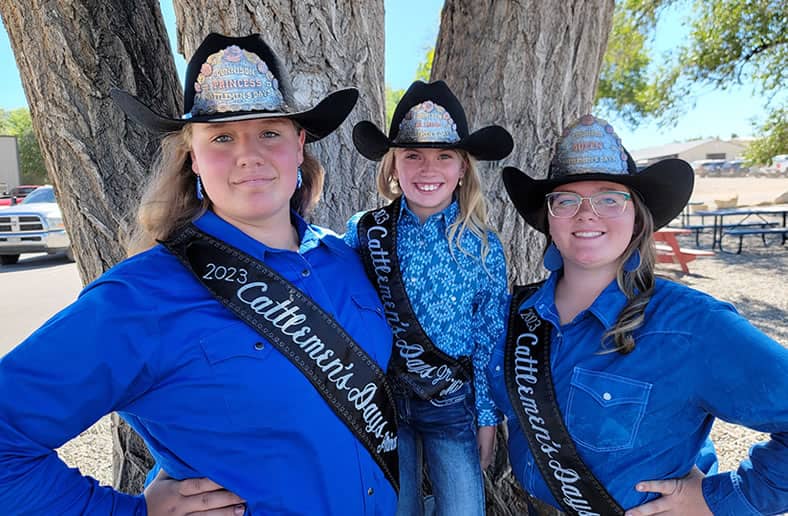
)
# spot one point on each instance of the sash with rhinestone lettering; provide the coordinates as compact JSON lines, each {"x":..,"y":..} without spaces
{"x":342,"y":372}
{"x":416,"y":361}
{"x":529,"y":383}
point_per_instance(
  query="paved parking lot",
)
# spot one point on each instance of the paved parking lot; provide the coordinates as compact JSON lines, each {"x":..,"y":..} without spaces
{"x":31,"y":292}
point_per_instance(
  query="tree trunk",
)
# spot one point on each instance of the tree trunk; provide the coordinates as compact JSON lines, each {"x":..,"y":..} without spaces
{"x":532,"y":67}
{"x":325,"y":45}
{"x":97,"y":159}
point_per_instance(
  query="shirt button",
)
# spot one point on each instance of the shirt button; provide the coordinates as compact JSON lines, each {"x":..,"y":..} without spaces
{"x":258,"y":346}
{"x":370,"y":491}
{"x":497,"y":368}
{"x":305,"y":273}
{"x":607,"y":397}
{"x":453,"y":298}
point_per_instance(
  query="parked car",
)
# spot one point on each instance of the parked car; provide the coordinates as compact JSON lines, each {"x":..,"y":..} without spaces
{"x":708,"y":167}
{"x":33,"y":226}
{"x":735,"y":168}
{"x":779,"y":166}
{"x":16,"y":194}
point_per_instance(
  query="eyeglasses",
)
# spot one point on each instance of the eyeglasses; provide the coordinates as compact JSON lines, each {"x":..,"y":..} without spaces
{"x":564,"y":205}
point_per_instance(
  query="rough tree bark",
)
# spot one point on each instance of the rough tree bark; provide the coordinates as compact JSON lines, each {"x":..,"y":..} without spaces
{"x":96,"y":159}
{"x":326,"y":45}
{"x":531,"y":66}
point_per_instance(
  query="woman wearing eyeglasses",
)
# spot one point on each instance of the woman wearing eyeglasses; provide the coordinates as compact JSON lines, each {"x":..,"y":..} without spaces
{"x":610,"y":378}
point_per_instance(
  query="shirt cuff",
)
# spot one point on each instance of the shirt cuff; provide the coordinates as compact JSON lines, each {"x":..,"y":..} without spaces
{"x":488,"y":417}
{"x":724,"y":496}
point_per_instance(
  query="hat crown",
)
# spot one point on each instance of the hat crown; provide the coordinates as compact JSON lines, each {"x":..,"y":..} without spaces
{"x":228,"y":74}
{"x":428,"y":113}
{"x":590,"y":146}
{"x":427,"y":122}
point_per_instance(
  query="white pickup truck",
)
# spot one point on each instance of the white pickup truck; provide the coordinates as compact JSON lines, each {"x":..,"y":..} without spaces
{"x":33,"y":226}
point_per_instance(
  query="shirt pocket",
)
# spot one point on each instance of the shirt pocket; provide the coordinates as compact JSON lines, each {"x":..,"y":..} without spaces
{"x":604,"y":410}
{"x":239,"y":360}
{"x":363,"y":319}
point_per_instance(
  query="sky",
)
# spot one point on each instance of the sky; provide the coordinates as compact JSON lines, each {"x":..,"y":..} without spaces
{"x":408,"y":37}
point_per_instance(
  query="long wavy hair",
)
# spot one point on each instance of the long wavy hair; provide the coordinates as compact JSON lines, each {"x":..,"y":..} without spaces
{"x":169,"y":200}
{"x":470,"y":197}
{"x":638,"y":285}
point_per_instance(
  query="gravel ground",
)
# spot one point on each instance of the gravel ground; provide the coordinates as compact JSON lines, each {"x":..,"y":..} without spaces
{"x":755,"y":281}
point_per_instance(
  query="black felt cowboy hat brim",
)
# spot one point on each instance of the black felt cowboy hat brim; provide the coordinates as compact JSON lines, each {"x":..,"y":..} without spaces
{"x":665,"y":188}
{"x":489,"y":143}
{"x":319,"y":122}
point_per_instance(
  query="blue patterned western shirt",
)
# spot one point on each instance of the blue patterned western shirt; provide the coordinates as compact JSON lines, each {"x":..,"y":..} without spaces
{"x":459,"y":303}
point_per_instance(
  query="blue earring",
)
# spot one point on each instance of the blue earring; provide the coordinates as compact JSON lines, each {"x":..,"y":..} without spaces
{"x":299,"y":179}
{"x":200,"y":195}
{"x":552,"y":258}
{"x":633,"y":262}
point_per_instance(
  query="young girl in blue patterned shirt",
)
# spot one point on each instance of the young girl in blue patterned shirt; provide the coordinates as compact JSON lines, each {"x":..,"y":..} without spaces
{"x":441,"y":273}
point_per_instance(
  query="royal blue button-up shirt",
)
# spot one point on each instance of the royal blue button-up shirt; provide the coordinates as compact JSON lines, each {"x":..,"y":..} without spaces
{"x":209,"y":395}
{"x":460,"y":303}
{"x":646,"y":415}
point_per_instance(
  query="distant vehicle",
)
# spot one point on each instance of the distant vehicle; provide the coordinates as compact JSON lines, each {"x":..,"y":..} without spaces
{"x":735,"y":168}
{"x":708,"y":167}
{"x":16,"y":194}
{"x":779,"y":166}
{"x":34,"y":226}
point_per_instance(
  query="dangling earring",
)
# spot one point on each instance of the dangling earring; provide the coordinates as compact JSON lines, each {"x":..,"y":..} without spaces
{"x":299,"y":178}
{"x":200,"y":195}
{"x":633,"y":262}
{"x":459,"y":183}
{"x":552,"y":260}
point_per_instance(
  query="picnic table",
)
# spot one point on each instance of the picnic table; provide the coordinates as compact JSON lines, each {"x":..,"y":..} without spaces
{"x":669,"y":250}
{"x":752,"y":221}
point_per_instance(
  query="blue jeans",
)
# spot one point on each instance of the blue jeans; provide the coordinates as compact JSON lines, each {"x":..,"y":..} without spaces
{"x":443,"y":432}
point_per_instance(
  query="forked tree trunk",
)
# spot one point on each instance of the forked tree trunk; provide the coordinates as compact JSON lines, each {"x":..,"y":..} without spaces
{"x":97,"y":159}
{"x":326,"y":45}
{"x":532,"y":67}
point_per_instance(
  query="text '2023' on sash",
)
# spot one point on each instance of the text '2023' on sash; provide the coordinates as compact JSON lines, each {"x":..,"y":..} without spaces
{"x":416,"y":361}
{"x":342,"y":372}
{"x":529,"y":384}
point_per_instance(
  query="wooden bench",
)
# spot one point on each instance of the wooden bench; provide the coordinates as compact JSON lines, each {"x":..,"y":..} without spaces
{"x":698,"y":228}
{"x":668,"y":253}
{"x":742,"y":232}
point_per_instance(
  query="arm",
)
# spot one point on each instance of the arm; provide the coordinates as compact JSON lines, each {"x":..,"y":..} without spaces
{"x":76,"y":368}
{"x":488,"y":329}
{"x":351,"y":233}
{"x":746,"y":383}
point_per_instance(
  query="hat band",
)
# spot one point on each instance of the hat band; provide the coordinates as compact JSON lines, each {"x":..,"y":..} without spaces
{"x":427,"y":122}
{"x":234,"y":80}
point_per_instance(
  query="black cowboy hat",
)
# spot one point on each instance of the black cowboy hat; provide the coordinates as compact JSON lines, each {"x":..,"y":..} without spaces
{"x":590,"y":150}
{"x":429,"y":115}
{"x":230,"y":79}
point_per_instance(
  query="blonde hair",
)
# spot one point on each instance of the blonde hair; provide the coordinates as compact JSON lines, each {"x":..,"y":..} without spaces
{"x":637,"y":285}
{"x":470,"y":197}
{"x":170,"y":201}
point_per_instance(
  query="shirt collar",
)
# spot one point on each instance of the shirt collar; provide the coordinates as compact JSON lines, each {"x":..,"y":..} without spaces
{"x":447,"y":215}
{"x":214,"y":225}
{"x":605,"y":307}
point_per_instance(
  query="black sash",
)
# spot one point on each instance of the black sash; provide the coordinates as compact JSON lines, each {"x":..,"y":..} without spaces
{"x":529,"y":383}
{"x":344,"y":375}
{"x":417,"y":362}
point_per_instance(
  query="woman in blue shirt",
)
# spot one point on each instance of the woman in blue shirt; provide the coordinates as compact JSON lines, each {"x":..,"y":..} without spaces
{"x":441,"y":274}
{"x":640,"y":366}
{"x":157,"y":340}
